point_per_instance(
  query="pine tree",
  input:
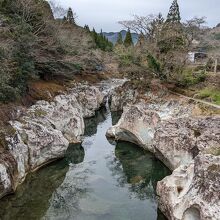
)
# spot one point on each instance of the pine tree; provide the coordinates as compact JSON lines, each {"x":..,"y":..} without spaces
{"x":119,"y":40}
{"x":86,"y":27}
{"x":70,"y":18}
{"x":160,"y":19}
{"x":174,"y":13}
{"x":141,"y":40}
{"x":101,"y":41}
{"x":128,"y":39}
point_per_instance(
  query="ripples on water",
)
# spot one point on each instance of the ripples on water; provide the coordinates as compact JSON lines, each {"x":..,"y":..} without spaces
{"x":96,"y":181}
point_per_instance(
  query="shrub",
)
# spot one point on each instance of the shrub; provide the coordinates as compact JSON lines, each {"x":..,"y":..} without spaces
{"x":127,"y":56}
{"x":189,"y":77}
{"x":217,"y":36}
{"x":211,"y":93}
{"x":153,"y":64}
{"x":8,"y":93}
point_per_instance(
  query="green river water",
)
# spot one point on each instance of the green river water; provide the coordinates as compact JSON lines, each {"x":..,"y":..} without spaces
{"x":98,"y":180}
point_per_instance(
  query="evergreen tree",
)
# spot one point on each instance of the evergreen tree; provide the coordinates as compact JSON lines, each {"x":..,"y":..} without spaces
{"x":119,"y":40}
{"x":70,"y":17}
{"x":128,"y":39}
{"x":141,"y":40}
{"x":160,"y":19}
{"x":174,"y":13}
{"x":86,"y":27}
{"x":101,"y":41}
{"x":94,"y":35}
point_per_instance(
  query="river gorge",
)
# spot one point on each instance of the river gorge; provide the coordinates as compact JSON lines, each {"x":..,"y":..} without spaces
{"x":97,"y":180}
{"x":124,"y":177}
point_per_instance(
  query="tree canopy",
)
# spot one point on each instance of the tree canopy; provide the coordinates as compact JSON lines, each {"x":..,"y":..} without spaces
{"x":101,"y":41}
{"x":174,"y":13}
{"x":119,"y":40}
{"x":70,"y":16}
{"x":128,"y":39}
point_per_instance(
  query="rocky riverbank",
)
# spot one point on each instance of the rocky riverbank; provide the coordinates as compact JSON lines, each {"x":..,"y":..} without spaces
{"x":173,"y":128}
{"x":43,"y":132}
{"x":185,"y":140}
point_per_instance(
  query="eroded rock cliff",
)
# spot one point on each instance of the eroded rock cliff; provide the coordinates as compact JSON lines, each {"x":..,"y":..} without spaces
{"x":44,"y":131}
{"x":188,"y":145}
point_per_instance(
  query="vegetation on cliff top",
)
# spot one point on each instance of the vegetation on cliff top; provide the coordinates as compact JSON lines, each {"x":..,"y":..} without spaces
{"x":35,"y":46}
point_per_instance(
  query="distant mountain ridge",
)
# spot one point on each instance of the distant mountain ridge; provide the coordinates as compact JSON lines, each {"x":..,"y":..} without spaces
{"x":113,"y":36}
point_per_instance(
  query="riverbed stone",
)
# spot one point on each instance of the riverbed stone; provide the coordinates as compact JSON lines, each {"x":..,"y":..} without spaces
{"x":192,"y":191}
{"x":178,"y":141}
{"x":121,"y":97}
{"x":8,"y":173}
{"x":136,"y":125}
{"x":64,"y":114}
{"x":90,"y":99}
{"x":42,"y":141}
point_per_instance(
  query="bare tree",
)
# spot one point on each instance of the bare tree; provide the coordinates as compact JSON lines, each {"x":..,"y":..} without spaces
{"x":140,"y":24}
{"x":35,"y":13}
{"x":58,"y":11}
{"x":193,"y":27}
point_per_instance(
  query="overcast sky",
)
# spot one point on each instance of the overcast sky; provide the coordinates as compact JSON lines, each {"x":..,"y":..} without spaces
{"x":106,"y":14}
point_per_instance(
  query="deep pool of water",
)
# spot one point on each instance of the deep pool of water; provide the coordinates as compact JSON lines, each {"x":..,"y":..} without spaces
{"x":99,"y":180}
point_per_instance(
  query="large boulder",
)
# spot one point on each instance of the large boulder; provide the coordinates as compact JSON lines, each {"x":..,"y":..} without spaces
{"x":121,"y":97}
{"x":193,"y":191}
{"x":8,"y":174}
{"x":64,"y":114}
{"x":137,"y":125}
{"x":90,"y":99}
{"x":178,"y":141}
{"x":36,"y":143}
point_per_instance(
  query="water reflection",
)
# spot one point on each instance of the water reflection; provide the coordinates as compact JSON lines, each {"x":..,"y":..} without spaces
{"x":115,"y":117}
{"x":31,"y":200}
{"x":96,"y":181}
{"x":64,"y":203}
{"x":138,"y":171}
{"x":91,"y":124}
{"x":75,"y":154}
{"x":139,"y":168}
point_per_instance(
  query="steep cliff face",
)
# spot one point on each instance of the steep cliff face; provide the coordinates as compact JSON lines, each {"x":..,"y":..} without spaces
{"x":44,"y":131}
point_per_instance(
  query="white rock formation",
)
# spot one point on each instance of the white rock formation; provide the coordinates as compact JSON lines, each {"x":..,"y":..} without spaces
{"x":136,"y":125}
{"x":43,"y":133}
{"x":188,"y":145}
{"x":89,"y":98}
{"x":178,"y":141}
{"x":192,"y":192}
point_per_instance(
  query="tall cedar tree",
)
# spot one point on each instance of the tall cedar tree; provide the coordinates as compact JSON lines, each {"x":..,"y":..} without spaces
{"x":128,"y":39}
{"x":86,"y":27}
{"x":119,"y":40}
{"x":174,"y":13}
{"x":70,"y":18}
{"x":101,"y":41}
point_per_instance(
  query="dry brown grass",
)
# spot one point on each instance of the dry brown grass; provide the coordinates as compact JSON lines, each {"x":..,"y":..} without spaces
{"x":45,"y":90}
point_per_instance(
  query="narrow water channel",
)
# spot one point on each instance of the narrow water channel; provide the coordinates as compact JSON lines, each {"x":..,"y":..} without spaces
{"x":99,"y":180}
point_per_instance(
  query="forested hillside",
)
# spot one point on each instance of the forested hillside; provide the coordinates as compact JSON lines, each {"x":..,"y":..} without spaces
{"x":34,"y":46}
